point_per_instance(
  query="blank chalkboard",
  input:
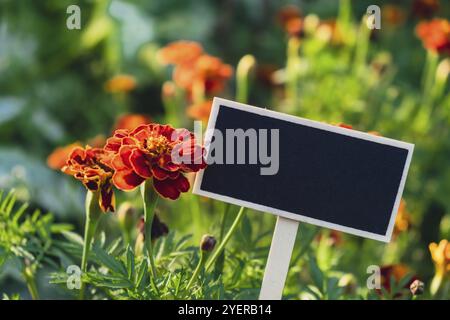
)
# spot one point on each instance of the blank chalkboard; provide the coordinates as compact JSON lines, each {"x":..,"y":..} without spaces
{"x":327,"y":175}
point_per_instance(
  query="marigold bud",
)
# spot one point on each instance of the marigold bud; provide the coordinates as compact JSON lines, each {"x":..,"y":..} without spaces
{"x":126,"y":214}
{"x":417,"y":287}
{"x":208,"y":243}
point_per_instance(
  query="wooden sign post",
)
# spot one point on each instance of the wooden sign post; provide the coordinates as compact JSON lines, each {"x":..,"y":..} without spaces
{"x":302,"y":170}
{"x":279,"y":257}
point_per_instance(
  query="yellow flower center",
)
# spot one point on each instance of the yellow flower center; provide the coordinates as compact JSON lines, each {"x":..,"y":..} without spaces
{"x":157,"y":145}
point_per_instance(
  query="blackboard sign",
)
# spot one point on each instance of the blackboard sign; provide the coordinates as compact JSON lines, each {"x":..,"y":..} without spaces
{"x":304,"y":170}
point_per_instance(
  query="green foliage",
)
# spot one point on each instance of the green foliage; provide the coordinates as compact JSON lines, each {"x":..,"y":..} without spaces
{"x":27,"y":237}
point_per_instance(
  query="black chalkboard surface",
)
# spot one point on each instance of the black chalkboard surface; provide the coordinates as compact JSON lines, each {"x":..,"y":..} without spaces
{"x":326,"y":175}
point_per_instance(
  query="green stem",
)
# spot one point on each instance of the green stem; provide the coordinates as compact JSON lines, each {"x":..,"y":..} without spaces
{"x":423,"y":108}
{"x":429,"y":75}
{"x":201,"y":263}
{"x":149,"y":199}
{"x":362,"y":47}
{"x":93,"y":214}
{"x":242,"y":77}
{"x":227,"y":237}
{"x":28,"y":274}
{"x":436,"y":283}
{"x":218,"y":269}
{"x":223,"y":224}
{"x":196,"y":217}
{"x":440,"y":81}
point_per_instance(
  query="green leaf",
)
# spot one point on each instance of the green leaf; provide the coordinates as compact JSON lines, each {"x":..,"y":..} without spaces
{"x":316,"y":273}
{"x":73,"y":237}
{"x":130,"y":263}
{"x":111,"y":249}
{"x":109,"y":261}
{"x":142,"y":271}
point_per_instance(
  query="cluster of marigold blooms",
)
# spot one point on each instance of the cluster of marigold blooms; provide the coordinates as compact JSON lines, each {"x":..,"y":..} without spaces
{"x":200,"y":75}
{"x":434,"y":33}
{"x":130,"y":157}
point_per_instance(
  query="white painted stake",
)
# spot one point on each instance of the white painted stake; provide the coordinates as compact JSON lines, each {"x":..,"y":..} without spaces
{"x":279,"y":258}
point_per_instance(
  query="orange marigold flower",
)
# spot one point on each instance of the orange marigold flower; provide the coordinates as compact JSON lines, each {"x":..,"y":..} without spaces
{"x":403,"y":219}
{"x":92,"y":166}
{"x":120,"y":83}
{"x":168,"y":90}
{"x":184,"y":76}
{"x":57,"y":159}
{"x":131,"y":120}
{"x":207,"y":71}
{"x":200,"y":111}
{"x":290,"y":18}
{"x":194,"y":70}
{"x":180,"y":52}
{"x":425,"y":8}
{"x":155,"y":151}
{"x":435,"y":35}
{"x":440,"y":253}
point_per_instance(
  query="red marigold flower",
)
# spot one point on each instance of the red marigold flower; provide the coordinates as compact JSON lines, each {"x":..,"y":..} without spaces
{"x":92,"y":166}
{"x":120,"y":83}
{"x":155,"y":151}
{"x":180,"y":52}
{"x":213,"y":72}
{"x":57,"y":159}
{"x":435,"y":35}
{"x":131,"y":121}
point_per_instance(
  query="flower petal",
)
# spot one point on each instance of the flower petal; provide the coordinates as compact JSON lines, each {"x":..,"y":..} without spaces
{"x":107,"y":198}
{"x":182,"y":183}
{"x":140,"y":164}
{"x":126,"y":179}
{"x":166,"y":188}
{"x":125,"y":153}
{"x":159,"y":173}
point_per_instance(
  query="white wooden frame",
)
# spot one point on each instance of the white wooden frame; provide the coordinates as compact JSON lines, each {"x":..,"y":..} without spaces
{"x":217,"y":102}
